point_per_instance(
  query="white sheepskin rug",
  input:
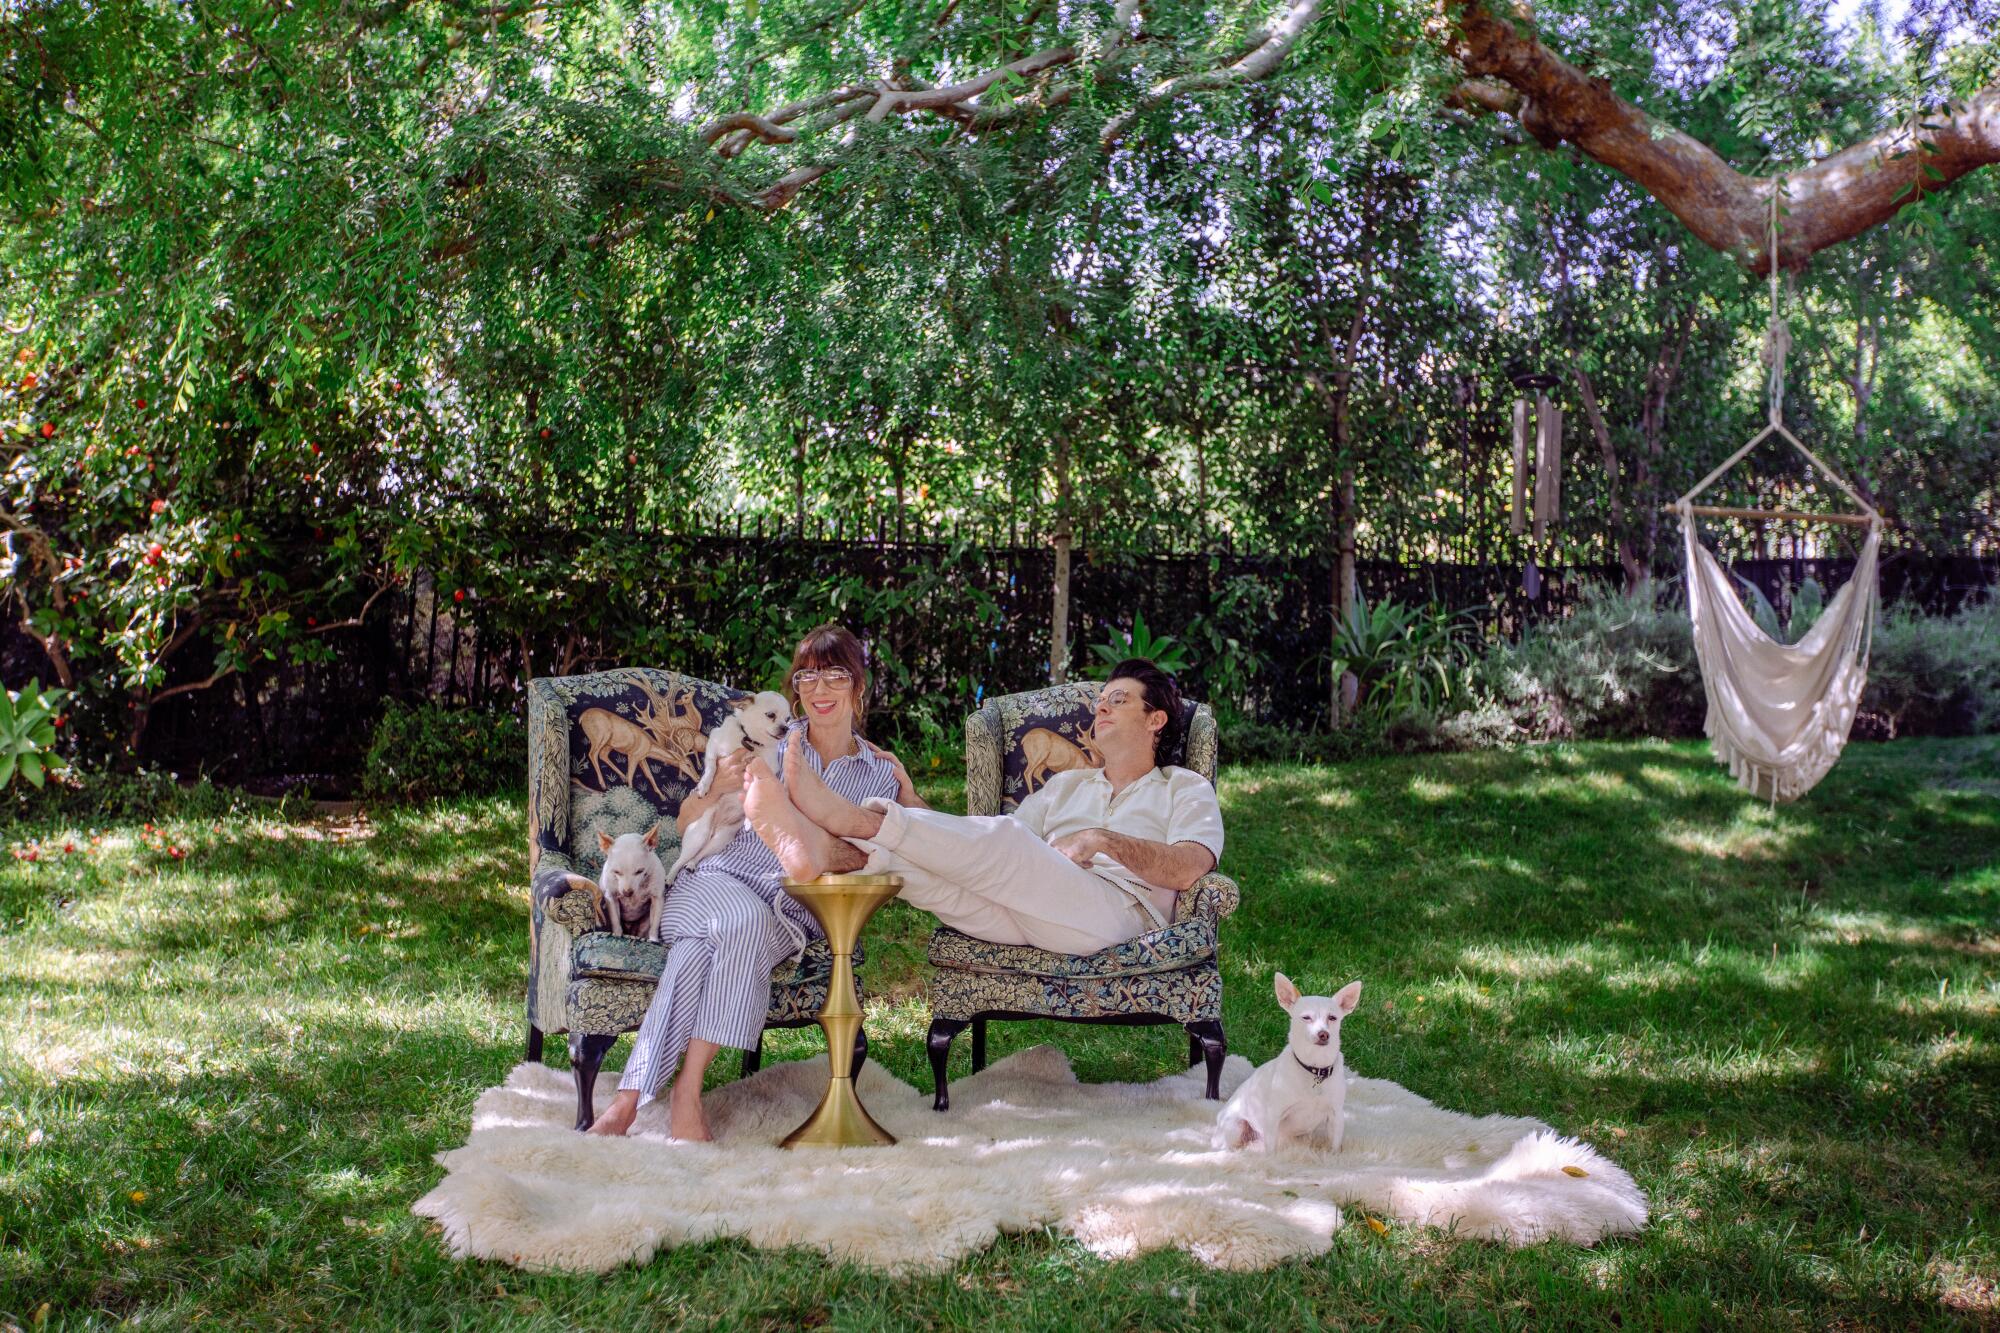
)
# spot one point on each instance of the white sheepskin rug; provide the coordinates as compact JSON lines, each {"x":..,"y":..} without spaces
{"x":1124,"y":1168}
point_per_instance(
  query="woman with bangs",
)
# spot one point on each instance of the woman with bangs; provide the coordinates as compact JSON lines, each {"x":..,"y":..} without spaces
{"x":727,"y":921}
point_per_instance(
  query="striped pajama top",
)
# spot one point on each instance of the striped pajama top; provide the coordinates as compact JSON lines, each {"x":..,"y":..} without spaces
{"x":856,"y":776}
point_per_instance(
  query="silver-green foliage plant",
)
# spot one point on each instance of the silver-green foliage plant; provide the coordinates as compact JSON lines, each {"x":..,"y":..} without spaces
{"x":28,"y":734}
{"x":1617,"y":664}
{"x":1936,"y":674}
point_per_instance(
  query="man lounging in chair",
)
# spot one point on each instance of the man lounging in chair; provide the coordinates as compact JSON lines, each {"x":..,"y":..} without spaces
{"x":1091,"y":859}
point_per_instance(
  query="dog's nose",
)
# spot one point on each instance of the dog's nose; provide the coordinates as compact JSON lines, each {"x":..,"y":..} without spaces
{"x":1321,"y":1039}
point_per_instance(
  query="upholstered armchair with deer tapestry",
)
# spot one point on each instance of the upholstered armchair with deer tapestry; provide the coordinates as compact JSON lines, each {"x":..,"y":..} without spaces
{"x":1170,"y":975}
{"x":616,"y":752}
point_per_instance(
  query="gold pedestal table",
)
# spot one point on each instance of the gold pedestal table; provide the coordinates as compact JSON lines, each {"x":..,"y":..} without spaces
{"x":842,"y":905}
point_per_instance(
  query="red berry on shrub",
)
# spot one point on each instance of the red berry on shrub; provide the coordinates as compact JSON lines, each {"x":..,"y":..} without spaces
{"x":142,"y":404}
{"x":395,"y":386}
{"x":311,"y":620}
{"x":48,"y":430}
{"x":159,"y":506}
{"x":154,"y":552}
{"x":319,"y":534}
{"x":315,"y":450}
{"x":546,"y":432}
{"x":458,"y":596}
{"x":28,"y":381}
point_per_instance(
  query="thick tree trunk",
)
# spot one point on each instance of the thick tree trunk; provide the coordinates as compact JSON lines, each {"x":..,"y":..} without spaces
{"x":1628,"y":555}
{"x":1661,"y":377}
{"x":799,"y":476}
{"x":1059,"y":611}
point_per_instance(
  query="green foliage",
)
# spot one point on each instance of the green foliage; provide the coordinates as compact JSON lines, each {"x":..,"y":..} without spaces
{"x":1409,"y":661}
{"x":1162,"y":650}
{"x":1935,"y":675}
{"x":426,"y":752}
{"x":28,"y":733}
{"x":82,"y":795}
{"x":1616,"y":665}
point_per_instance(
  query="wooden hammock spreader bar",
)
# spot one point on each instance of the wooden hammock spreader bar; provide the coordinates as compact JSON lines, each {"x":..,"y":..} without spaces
{"x":1793,"y":515}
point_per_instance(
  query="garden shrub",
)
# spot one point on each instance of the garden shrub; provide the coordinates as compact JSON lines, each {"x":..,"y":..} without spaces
{"x":427,"y":751}
{"x":88,"y":795}
{"x":1617,"y":665}
{"x":1934,"y":675}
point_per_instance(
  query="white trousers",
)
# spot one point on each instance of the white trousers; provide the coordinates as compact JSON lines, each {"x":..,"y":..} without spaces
{"x":990,"y":877}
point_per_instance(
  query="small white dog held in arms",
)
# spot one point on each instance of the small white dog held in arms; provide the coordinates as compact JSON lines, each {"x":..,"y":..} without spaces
{"x":633,"y":882}
{"x":756,"y":725}
{"x":1300,"y":1096}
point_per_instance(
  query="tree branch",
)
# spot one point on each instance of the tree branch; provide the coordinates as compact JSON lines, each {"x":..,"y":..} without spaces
{"x":1256,"y":63}
{"x":1826,"y":203}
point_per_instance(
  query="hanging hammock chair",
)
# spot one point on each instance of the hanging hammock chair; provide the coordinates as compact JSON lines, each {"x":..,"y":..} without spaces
{"x":1778,"y":714}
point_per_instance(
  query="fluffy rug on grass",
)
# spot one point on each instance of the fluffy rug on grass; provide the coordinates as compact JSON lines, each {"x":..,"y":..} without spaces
{"x":1124,"y":1168}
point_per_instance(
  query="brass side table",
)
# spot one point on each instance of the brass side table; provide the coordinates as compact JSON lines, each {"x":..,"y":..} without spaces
{"x":842,"y":905}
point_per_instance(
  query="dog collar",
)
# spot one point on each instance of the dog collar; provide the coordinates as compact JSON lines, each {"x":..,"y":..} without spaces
{"x":1320,"y":1073}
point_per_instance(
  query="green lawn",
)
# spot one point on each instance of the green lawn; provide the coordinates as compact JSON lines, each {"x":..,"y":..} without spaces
{"x":223,"y":1077}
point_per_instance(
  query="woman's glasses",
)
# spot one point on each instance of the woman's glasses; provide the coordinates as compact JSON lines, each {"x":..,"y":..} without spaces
{"x":834,"y":678}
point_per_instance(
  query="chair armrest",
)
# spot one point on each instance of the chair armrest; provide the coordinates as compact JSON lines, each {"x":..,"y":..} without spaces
{"x":1213,"y":896}
{"x":570,"y":900}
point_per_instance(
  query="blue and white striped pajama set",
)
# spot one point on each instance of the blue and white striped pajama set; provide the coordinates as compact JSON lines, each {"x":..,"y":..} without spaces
{"x":727,"y":923}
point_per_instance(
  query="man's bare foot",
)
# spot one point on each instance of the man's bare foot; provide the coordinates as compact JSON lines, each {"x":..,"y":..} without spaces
{"x":804,"y":850}
{"x":616,"y":1119}
{"x":826,"y":808}
{"x":685,"y":1117}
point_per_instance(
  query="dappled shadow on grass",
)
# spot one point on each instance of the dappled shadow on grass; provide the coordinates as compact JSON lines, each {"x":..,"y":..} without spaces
{"x":1619,"y":937}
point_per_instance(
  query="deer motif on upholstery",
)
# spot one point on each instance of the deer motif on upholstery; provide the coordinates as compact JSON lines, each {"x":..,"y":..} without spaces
{"x":667,"y":730}
{"x":1048,"y":753}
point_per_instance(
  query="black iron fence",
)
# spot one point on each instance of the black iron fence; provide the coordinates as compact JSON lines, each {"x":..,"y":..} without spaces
{"x":946,"y":622}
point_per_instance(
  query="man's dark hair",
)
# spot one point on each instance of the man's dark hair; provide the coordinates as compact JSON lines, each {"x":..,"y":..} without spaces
{"x":1162,"y":693}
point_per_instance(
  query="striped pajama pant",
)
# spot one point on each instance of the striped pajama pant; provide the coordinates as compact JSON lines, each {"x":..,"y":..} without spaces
{"x":723,"y":940}
{"x":723,"y":934}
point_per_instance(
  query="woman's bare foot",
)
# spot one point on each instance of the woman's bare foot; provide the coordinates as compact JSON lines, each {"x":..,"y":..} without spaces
{"x":826,"y":808}
{"x":616,"y":1119}
{"x":685,"y":1117}
{"x":804,"y":850}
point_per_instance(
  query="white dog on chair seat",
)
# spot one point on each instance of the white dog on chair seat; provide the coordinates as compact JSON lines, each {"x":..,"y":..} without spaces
{"x":1300,"y":1096}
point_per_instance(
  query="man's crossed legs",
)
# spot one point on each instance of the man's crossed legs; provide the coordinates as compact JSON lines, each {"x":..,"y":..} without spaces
{"x":988,"y":876}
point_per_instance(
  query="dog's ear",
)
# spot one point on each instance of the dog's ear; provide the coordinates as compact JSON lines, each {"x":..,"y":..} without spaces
{"x":604,"y":841}
{"x":653,"y":836}
{"x":1288,"y":994}
{"x":740,"y":704}
{"x":1347,"y":998}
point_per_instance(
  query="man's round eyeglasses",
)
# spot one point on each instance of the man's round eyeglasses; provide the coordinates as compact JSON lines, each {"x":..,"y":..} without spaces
{"x":834,"y":678}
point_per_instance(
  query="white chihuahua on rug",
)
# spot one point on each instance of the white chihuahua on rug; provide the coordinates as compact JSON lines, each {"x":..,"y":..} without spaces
{"x":1300,"y":1096}
{"x":756,"y":725}
{"x":633,"y":882}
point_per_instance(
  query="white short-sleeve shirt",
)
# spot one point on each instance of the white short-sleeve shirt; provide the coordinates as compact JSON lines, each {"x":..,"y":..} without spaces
{"x":1168,"y":805}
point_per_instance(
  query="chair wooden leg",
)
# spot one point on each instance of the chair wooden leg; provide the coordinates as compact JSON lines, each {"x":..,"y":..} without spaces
{"x":939,"y":1041}
{"x":1194,"y":1050}
{"x":586,"y":1056}
{"x":978,"y":1044}
{"x":534,"y":1044}
{"x":1208,"y":1033}
{"x":753,"y":1059}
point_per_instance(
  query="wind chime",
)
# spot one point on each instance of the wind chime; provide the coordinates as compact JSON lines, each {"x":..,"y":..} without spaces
{"x":1537,"y":462}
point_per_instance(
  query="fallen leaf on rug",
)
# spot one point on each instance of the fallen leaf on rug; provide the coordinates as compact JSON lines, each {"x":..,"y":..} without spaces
{"x":1124,"y":1167}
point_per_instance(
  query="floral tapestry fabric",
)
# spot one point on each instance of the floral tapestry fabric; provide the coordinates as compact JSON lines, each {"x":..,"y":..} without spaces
{"x":1012,"y":745}
{"x":1016,"y":742}
{"x":617,"y":752}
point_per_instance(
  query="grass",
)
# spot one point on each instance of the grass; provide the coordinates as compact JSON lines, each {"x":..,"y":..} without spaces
{"x":222,"y":1078}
